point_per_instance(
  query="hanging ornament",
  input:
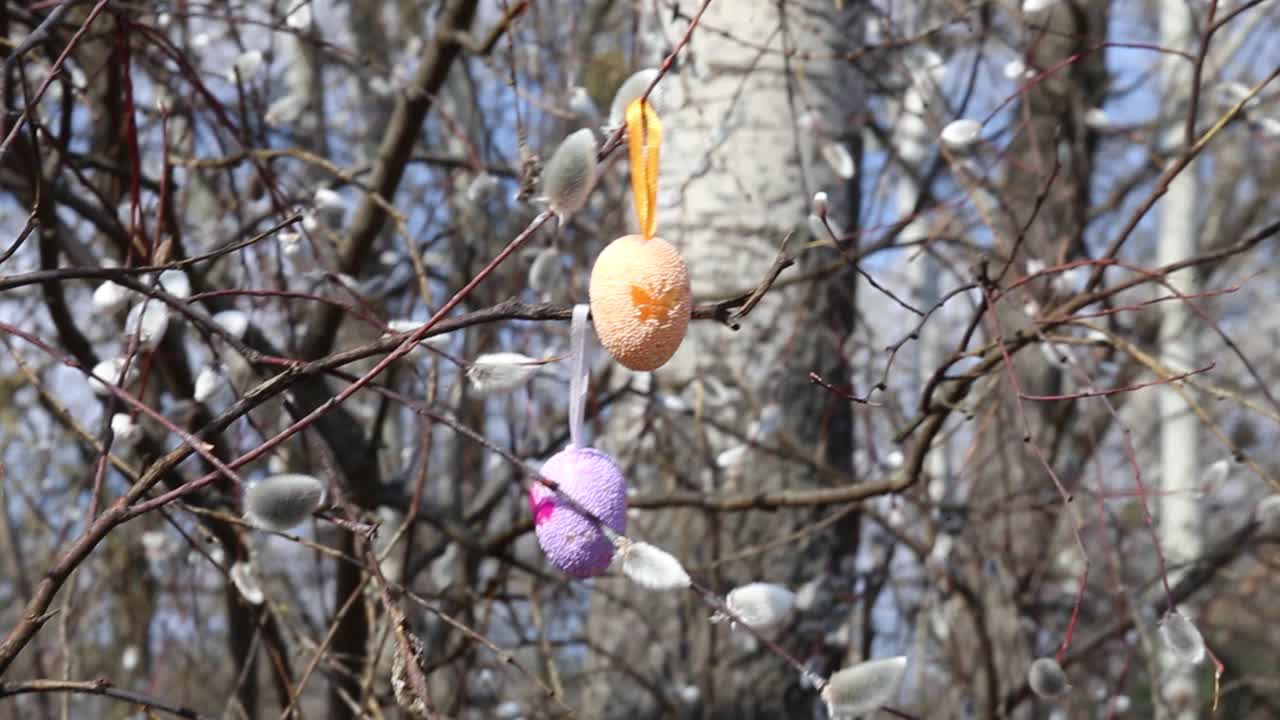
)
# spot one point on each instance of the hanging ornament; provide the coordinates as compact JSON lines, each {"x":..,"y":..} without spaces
{"x":585,"y":479}
{"x":640,"y":297}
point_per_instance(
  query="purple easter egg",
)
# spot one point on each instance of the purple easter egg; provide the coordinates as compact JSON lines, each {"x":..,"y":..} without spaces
{"x":571,"y":541}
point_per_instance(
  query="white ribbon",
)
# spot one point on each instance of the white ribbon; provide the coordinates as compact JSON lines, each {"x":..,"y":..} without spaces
{"x":581,"y":373}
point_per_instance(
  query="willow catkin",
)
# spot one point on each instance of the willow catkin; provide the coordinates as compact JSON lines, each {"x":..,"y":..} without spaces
{"x":1046,"y":678}
{"x":1215,"y":475}
{"x":760,"y":605}
{"x":1268,"y":514}
{"x":568,"y":176}
{"x":207,"y":384}
{"x":1035,"y":7}
{"x":108,"y":371}
{"x":631,"y":89}
{"x":109,"y":298}
{"x":126,"y":431}
{"x":148,"y":320}
{"x":821,"y":205}
{"x":501,"y":372}
{"x":960,"y":135}
{"x":650,"y":566}
{"x":175,"y":282}
{"x":1182,"y":637}
{"x":245,"y":579}
{"x":235,"y":322}
{"x":863,"y":688}
{"x":839,"y":158}
{"x":545,"y":272}
{"x":280,"y":502}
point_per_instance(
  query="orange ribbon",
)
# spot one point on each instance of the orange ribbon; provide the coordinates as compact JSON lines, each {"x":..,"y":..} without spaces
{"x":644,"y":137}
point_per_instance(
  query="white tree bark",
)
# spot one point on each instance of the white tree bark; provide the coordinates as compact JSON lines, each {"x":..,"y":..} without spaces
{"x":1178,"y":507}
{"x":740,"y":164}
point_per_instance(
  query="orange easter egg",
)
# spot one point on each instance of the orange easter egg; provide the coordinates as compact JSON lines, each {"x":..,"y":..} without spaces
{"x":640,"y":301}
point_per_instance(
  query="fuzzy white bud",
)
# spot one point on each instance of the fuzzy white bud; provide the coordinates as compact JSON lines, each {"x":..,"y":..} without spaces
{"x":962,"y":134}
{"x":481,"y":187}
{"x":731,"y":457}
{"x":631,"y":89}
{"x":110,"y":298}
{"x":282,"y":501}
{"x":125,"y":429}
{"x":1097,"y":119}
{"x":329,"y":199}
{"x":249,"y":63}
{"x":649,"y":566}
{"x":246,"y":582}
{"x":569,"y":175}
{"x":403,"y":325}
{"x":148,"y":320}
{"x":1047,"y":679}
{"x":838,"y":157}
{"x":291,"y":242}
{"x":767,"y":424}
{"x":300,"y":18}
{"x":1268,"y":514}
{"x":1182,"y":637}
{"x":760,"y":605}
{"x":1032,"y":7}
{"x":207,"y":383}
{"x":176,"y":283}
{"x":821,"y":205}
{"x":672,"y":403}
{"x":1215,"y":475}
{"x":863,"y":688}
{"x":1016,"y":70}
{"x":285,"y":110}
{"x":501,"y":372}
{"x":545,"y":271}
{"x":330,"y":207}
{"x":893,"y":460}
{"x":235,"y":322}
{"x":582,"y":105}
{"x":157,"y":546}
{"x":812,"y":123}
{"x":129,"y":657}
{"x":508,"y":710}
{"x":109,"y":371}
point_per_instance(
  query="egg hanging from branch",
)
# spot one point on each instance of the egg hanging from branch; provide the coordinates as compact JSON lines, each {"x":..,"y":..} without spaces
{"x":573,"y":542}
{"x":640,"y":301}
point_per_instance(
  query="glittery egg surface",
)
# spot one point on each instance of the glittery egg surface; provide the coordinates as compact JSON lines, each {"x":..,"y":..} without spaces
{"x":640,"y":301}
{"x":571,"y":542}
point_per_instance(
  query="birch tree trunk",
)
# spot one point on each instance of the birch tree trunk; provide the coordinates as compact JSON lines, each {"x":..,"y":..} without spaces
{"x":1179,"y":506}
{"x":740,"y":165}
